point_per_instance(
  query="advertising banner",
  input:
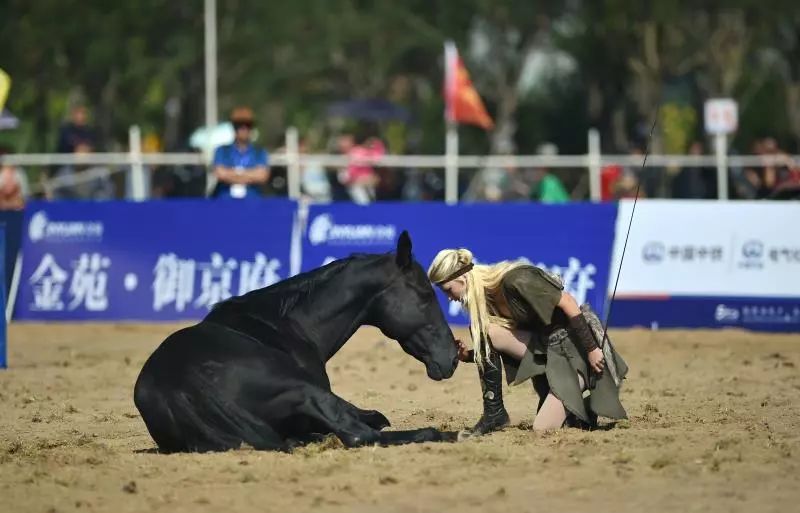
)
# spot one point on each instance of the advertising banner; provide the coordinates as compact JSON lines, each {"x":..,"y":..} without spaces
{"x":158,"y":260}
{"x":572,"y":240}
{"x":709,"y":264}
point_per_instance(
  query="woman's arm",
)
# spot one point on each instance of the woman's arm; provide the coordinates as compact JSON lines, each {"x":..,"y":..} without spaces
{"x":569,"y":305}
{"x":582,"y":330}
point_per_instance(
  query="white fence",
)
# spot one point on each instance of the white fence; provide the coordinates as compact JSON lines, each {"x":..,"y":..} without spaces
{"x":134,"y":162}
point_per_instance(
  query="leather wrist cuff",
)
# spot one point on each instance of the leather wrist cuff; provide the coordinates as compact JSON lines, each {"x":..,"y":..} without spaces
{"x":580,"y":328}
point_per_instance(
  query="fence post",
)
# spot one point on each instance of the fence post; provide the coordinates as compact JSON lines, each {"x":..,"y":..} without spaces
{"x":451,"y":164}
{"x":594,"y":158}
{"x":137,"y":188}
{"x":721,"y":153}
{"x":293,"y":163}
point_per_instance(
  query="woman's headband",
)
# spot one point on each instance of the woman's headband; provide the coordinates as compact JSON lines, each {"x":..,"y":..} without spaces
{"x":464,"y":270}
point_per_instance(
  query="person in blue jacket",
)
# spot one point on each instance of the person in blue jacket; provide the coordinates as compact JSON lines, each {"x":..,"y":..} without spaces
{"x":241,"y":168}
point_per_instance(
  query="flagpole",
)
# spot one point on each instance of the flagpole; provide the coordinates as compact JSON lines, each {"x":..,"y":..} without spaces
{"x":451,"y":164}
{"x":451,"y":134}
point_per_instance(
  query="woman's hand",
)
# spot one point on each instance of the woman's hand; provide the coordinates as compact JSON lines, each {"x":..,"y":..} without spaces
{"x":596,"y":360}
{"x":463,"y":351}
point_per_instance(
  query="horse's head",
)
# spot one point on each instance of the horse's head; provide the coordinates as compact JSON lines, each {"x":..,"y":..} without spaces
{"x":408,"y":312}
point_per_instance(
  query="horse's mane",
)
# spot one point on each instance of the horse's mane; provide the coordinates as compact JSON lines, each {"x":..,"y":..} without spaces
{"x":286,"y":294}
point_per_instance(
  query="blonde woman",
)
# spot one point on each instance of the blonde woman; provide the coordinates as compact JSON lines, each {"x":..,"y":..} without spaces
{"x":522,"y":312}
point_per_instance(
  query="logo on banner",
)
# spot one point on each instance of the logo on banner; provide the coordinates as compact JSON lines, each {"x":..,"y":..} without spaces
{"x":752,"y":255}
{"x":41,"y":228}
{"x":654,"y":252}
{"x":323,"y":229}
{"x":725,"y":313}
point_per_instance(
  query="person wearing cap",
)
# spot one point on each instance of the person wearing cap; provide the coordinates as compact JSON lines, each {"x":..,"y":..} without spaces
{"x":241,"y":168}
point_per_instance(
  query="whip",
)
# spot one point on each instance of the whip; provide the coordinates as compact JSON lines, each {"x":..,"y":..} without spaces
{"x":593,"y":377}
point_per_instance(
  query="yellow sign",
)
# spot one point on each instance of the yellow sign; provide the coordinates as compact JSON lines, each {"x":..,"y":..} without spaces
{"x":5,"y":85}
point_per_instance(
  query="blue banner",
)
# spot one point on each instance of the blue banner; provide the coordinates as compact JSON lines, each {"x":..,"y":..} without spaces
{"x":752,"y":313}
{"x":573,"y":240}
{"x":3,"y":296}
{"x":157,"y":260}
{"x":12,"y":219}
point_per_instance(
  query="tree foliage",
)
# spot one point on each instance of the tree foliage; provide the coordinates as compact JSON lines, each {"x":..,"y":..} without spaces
{"x":141,"y":62}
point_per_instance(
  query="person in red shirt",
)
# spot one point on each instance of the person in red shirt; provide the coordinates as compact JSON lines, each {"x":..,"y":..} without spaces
{"x":359,"y":176}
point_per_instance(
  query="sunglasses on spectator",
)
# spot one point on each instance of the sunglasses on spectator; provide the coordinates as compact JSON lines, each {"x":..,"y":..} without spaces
{"x":242,"y":124}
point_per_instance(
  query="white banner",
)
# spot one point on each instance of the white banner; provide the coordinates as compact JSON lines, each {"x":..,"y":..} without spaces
{"x":708,"y":248}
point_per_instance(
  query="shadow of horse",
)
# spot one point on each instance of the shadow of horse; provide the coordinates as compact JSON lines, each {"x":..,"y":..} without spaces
{"x":253,"y":371}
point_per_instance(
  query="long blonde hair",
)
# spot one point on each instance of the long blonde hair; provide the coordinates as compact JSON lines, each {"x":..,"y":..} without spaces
{"x":482,"y":293}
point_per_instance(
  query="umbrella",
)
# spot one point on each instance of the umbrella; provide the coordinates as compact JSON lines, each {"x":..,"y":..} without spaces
{"x":368,"y":110}
{"x":8,"y":121}
{"x":220,"y":135}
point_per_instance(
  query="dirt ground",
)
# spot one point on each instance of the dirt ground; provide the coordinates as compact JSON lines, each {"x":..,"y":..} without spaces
{"x":714,"y":426}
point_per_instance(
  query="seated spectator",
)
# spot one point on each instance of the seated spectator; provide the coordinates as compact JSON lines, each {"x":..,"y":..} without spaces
{"x":610,"y":175}
{"x":777,"y":170}
{"x":693,"y":182}
{"x":14,"y":186}
{"x":627,"y":187}
{"x":76,"y":131}
{"x":241,"y":168}
{"x":82,"y":182}
{"x":359,"y":176}
{"x":314,"y":182}
{"x":547,"y":188}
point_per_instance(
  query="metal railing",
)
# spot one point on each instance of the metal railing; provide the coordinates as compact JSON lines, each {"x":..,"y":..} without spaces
{"x":134,"y":162}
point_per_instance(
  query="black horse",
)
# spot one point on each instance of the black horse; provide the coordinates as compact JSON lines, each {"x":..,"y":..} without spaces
{"x":253,"y":371}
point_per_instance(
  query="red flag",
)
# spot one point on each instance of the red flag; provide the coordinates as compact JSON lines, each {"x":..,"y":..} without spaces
{"x":462,"y":103}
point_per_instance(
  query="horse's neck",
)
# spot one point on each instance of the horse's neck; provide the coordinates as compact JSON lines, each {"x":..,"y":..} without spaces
{"x":337,"y":308}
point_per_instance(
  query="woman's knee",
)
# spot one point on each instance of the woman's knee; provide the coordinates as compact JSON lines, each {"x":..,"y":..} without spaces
{"x":551,"y":415}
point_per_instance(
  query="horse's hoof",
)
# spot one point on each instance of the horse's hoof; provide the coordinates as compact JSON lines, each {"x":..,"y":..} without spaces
{"x":449,"y":436}
{"x":375,"y":419}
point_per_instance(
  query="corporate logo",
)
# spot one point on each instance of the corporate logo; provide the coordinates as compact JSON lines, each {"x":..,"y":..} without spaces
{"x":654,"y":252}
{"x":324,"y":230}
{"x":752,"y":254}
{"x":657,"y":252}
{"x":724,"y":313}
{"x":41,"y":228}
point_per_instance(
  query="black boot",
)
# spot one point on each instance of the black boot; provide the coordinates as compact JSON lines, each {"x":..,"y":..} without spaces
{"x":494,"y":415}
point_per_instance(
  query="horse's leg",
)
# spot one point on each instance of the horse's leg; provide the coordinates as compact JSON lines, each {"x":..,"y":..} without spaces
{"x":304,"y":410}
{"x":372,"y":418}
{"x":346,"y":421}
{"x":415,"y":436}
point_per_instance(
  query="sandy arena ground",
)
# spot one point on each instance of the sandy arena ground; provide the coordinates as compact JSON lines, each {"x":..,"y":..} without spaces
{"x":714,"y":426}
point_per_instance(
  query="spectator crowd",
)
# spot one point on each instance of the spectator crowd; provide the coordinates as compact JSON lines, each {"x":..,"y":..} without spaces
{"x":241,"y":170}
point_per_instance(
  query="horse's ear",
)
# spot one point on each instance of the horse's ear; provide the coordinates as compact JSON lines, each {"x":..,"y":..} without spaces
{"x":403,"y":256}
